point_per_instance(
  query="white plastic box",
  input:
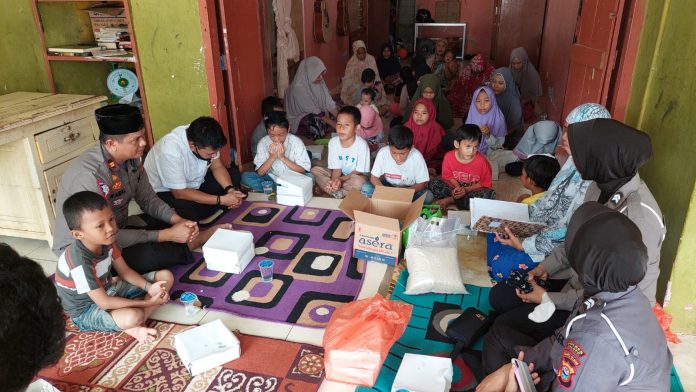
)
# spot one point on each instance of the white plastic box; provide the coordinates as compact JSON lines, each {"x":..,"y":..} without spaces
{"x":423,"y":373}
{"x":294,"y":189}
{"x":206,"y":346}
{"x":229,"y":251}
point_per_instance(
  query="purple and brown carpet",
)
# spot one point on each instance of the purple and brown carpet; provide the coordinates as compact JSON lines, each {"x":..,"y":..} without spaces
{"x":314,"y":271}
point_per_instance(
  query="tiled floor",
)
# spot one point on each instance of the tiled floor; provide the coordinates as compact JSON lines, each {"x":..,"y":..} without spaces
{"x":377,"y":277}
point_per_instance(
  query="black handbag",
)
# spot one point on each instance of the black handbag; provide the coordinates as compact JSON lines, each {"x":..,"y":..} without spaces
{"x":467,"y":328}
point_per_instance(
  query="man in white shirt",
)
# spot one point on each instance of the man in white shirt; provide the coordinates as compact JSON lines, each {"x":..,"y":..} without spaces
{"x":276,"y":154}
{"x":400,"y":165}
{"x":185,"y":170}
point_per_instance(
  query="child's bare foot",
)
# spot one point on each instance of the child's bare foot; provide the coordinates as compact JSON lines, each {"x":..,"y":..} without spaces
{"x":142,"y":334}
{"x":205,"y":235}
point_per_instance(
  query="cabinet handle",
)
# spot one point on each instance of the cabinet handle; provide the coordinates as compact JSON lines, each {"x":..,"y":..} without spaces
{"x":72,"y":137}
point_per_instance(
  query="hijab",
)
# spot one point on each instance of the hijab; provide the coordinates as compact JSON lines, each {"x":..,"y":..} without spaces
{"x":370,"y":122}
{"x":540,"y":138}
{"x":420,"y":67}
{"x":351,"y":79}
{"x":608,"y":152}
{"x":493,"y":118}
{"x":410,"y":81}
{"x":474,"y":75}
{"x":606,"y":250}
{"x":587,"y":111}
{"x":303,"y":96}
{"x":527,"y":79}
{"x":426,"y":137}
{"x":442,"y":106}
{"x":509,"y":100}
{"x":388,"y":66}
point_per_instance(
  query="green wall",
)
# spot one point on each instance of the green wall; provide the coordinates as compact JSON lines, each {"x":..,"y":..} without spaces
{"x":170,"y":45}
{"x":21,"y":61}
{"x":662,"y":104}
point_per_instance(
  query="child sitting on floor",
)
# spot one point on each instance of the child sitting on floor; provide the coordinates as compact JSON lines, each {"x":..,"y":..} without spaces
{"x":370,"y":127}
{"x":268,"y":105}
{"x":367,"y":99}
{"x":368,"y":80}
{"x":276,"y":154}
{"x":466,"y":173}
{"x":348,"y":159}
{"x":84,"y":283}
{"x":400,"y":165}
{"x":537,"y":173}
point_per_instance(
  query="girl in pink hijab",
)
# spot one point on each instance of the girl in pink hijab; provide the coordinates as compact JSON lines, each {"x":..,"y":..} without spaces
{"x":370,"y":126}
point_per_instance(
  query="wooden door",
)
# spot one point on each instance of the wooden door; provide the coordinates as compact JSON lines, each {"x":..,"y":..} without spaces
{"x":517,"y":23}
{"x":592,"y":54}
{"x":247,"y":67}
{"x":377,"y":26}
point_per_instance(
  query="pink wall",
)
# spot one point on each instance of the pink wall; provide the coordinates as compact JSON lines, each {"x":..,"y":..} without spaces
{"x":559,"y":29}
{"x":478,"y":16}
{"x":335,"y":53}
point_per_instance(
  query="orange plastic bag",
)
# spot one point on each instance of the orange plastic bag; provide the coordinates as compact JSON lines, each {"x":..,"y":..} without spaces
{"x":665,"y":320}
{"x":359,"y":336}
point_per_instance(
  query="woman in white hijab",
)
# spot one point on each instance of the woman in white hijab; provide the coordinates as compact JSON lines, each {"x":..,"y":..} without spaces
{"x":350,"y":83}
{"x":540,"y":138}
{"x":308,"y":101}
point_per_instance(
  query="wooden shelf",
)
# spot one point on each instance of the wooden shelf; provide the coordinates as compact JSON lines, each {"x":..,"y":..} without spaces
{"x":116,"y":59}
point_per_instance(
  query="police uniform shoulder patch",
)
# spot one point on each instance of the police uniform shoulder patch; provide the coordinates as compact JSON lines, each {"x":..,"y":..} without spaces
{"x":103,"y":188}
{"x":571,"y":360}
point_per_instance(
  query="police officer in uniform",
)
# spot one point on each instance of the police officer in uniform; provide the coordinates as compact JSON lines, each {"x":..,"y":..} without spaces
{"x":113,"y":169}
{"x":611,"y":341}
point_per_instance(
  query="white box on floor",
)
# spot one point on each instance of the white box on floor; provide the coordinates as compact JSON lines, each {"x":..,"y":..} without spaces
{"x":423,"y":373}
{"x":294,"y":189}
{"x":229,"y":250}
{"x":316,"y":150}
{"x":206,"y":346}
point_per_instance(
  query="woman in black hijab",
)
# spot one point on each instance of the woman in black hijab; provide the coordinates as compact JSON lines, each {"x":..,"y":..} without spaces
{"x":610,"y":153}
{"x":388,"y":64}
{"x":612,"y":339}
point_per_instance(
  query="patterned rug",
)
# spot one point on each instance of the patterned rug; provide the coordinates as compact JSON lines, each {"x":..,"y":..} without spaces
{"x":101,"y":361}
{"x":425,"y":333}
{"x":313,"y":274}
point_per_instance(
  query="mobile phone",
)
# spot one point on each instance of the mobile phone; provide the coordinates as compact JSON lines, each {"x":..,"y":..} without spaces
{"x":523,"y":376}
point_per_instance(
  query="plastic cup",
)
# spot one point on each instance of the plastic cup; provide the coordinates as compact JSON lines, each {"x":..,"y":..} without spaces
{"x":267,"y":188}
{"x":189,"y":299}
{"x":266,"y":269}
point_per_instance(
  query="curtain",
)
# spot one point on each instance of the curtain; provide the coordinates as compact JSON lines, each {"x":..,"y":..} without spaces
{"x":287,"y":46}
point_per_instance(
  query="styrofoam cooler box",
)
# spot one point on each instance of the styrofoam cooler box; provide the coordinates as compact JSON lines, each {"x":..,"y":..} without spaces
{"x":229,"y":250}
{"x":294,"y":189}
{"x":206,"y":346}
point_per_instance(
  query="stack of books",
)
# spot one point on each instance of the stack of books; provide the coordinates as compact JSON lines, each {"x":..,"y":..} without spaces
{"x":113,"y":37}
{"x":73,"y":50}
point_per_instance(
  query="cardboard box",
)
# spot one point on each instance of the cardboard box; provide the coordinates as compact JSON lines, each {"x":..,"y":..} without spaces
{"x":207,"y":346}
{"x":423,"y":373}
{"x":229,"y":251}
{"x":379,"y":221}
{"x":294,"y":189}
{"x":104,"y":16}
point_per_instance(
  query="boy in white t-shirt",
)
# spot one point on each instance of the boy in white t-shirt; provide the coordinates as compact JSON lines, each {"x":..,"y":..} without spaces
{"x":276,"y":154}
{"x":349,"y":157}
{"x":400,"y":165}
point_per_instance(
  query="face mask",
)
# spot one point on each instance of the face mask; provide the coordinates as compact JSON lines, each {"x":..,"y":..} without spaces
{"x":197,"y":155}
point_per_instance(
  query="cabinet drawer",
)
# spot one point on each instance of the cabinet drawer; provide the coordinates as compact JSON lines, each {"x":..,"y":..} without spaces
{"x":61,"y":141}
{"x":52,"y":177}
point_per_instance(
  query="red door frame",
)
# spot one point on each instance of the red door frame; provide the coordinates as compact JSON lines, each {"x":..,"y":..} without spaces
{"x":239,"y":110}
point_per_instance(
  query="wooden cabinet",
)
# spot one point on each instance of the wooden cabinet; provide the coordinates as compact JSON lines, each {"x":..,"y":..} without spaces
{"x":40,"y":135}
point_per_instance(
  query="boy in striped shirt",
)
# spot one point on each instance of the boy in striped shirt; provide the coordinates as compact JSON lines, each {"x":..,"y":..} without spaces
{"x":92,"y":298}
